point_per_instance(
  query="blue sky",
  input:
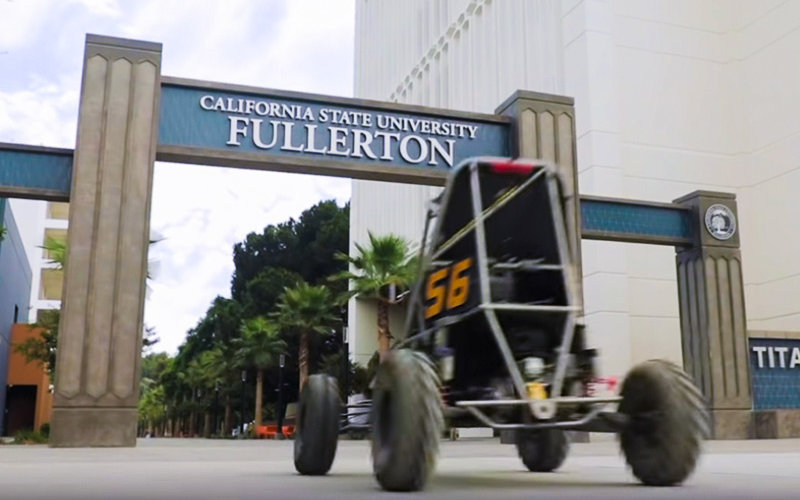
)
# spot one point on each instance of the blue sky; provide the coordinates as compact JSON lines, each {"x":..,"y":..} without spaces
{"x":200,"y":212}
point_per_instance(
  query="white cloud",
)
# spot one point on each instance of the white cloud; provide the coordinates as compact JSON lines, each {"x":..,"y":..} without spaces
{"x":321,"y":28}
{"x":302,"y":45}
{"x":200,"y":212}
{"x":105,"y":8}
{"x":19,"y":22}
{"x":39,"y":116}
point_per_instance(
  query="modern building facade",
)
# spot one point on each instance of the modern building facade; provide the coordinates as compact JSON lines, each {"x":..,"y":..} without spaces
{"x":41,"y":221}
{"x":15,"y":289}
{"x":29,"y":397}
{"x":670,"y":97}
{"x":29,"y":283}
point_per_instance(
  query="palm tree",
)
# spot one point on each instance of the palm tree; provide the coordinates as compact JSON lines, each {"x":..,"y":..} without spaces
{"x":219,"y":369}
{"x":208,"y":373}
{"x":195,"y":378}
{"x":381,"y":271}
{"x":57,"y":251}
{"x":259,"y":348}
{"x":151,"y":408}
{"x":306,"y":310}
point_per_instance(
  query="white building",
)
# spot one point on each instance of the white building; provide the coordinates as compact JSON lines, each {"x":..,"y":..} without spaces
{"x":38,"y":221}
{"x":671,"y":96}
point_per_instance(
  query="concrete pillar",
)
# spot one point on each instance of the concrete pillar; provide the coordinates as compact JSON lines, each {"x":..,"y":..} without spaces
{"x":543,"y":127}
{"x":712,"y":311}
{"x":100,"y":334}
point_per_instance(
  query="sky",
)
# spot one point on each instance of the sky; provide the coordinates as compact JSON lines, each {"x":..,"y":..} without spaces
{"x":198,"y":212}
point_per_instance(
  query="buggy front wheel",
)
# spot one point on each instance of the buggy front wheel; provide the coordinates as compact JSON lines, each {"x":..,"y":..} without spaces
{"x":317,"y":426}
{"x":542,"y":450}
{"x":407,"y":420}
{"x":667,"y":422}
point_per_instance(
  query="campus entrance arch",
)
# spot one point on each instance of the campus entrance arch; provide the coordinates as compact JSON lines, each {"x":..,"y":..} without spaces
{"x":130,"y":116}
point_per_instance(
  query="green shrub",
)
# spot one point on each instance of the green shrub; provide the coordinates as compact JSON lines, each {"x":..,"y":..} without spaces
{"x":45,"y":429}
{"x":28,"y":436}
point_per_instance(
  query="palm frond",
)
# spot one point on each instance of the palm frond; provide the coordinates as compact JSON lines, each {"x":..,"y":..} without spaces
{"x":260,"y":344}
{"x":388,"y":260}
{"x":306,"y":308}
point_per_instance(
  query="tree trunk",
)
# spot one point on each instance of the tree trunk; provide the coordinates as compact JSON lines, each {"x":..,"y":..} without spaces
{"x":228,"y":416}
{"x":302,"y":360}
{"x":192,"y":419}
{"x":384,"y":335}
{"x":259,"y":396}
{"x":207,"y":425}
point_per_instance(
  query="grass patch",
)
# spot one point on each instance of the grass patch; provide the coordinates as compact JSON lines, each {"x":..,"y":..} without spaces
{"x":30,"y":437}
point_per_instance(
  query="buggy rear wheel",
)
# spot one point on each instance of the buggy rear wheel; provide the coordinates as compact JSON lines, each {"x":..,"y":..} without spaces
{"x":407,"y":420}
{"x":317,"y":426}
{"x":668,"y":421}
{"x":542,"y":450}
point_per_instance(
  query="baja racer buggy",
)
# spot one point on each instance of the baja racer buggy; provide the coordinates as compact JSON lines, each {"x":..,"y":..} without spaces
{"x":493,"y":339}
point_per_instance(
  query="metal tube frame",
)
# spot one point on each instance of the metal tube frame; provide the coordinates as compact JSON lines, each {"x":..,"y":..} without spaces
{"x":565,"y":400}
{"x":416,"y":290}
{"x":564,"y":256}
{"x":544,"y":409}
{"x":483,"y":277}
{"x":564,"y":424}
{"x":485,"y":214}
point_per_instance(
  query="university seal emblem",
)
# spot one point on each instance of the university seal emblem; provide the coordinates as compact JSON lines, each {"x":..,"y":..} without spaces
{"x":720,"y":222}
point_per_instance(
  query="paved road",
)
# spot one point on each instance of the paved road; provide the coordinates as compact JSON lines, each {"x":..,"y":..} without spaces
{"x":480,"y":469}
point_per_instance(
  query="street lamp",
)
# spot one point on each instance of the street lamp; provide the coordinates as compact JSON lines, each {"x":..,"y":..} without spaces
{"x":241,"y":427}
{"x":346,"y":361}
{"x":196,"y":415}
{"x":216,"y":408}
{"x":281,"y":364}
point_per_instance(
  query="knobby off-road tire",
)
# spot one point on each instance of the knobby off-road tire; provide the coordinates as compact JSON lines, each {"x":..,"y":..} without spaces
{"x":407,"y":421}
{"x":668,"y":422}
{"x":317,"y":426}
{"x":543,"y":450}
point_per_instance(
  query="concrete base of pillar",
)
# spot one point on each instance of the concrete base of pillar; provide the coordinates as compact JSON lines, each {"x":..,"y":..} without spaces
{"x":93,"y":427}
{"x":732,"y":424}
{"x":777,"y":424}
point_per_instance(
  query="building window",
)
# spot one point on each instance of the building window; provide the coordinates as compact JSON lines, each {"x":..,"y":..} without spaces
{"x":52,"y":282}
{"x":53,"y":240}
{"x":16,"y":313}
{"x":57,"y":210}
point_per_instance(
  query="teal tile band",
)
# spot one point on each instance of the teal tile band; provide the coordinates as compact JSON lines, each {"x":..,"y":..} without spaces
{"x":631,"y":220}
{"x":775,"y":373}
{"x":31,"y":170}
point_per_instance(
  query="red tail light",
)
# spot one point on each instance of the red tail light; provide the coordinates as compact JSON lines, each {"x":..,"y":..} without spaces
{"x":512,"y":167}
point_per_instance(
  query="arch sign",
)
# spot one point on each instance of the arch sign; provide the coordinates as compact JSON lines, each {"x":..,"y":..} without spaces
{"x":130,"y":116}
{"x":230,"y":125}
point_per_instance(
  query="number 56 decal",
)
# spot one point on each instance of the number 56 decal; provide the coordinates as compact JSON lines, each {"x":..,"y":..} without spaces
{"x":448,"y":294}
